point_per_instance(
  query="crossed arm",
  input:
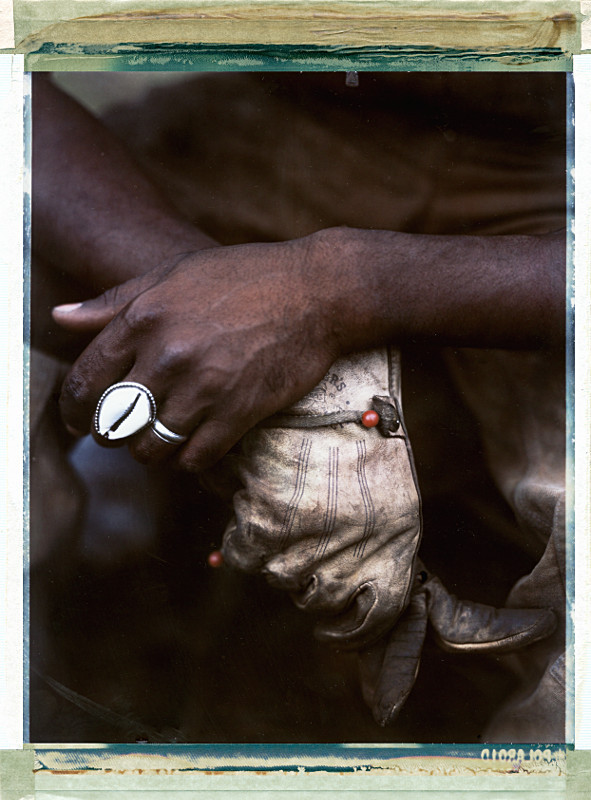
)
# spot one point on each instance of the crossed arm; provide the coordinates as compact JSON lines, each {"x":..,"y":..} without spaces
{"x":225,"y":336}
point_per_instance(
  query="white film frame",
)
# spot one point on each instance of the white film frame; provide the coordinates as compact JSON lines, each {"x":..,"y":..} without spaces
{"x":14,"y":185}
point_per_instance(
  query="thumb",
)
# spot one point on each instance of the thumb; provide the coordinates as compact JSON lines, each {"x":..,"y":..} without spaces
{"x":92,"y":315}
{"x":461,"y":625}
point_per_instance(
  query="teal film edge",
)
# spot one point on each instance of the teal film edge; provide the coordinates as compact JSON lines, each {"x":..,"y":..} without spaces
{"x":196,"y":57}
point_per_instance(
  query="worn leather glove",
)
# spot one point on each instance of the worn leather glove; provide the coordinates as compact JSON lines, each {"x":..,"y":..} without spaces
{"x":330,"y":508}
{"x":388,"y":669}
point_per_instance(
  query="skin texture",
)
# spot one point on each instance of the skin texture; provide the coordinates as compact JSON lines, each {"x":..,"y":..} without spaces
{"x":235,"y":350}
{"x":229,"y":336}
{"x":225,"y":336}
{"x":96,"y":216}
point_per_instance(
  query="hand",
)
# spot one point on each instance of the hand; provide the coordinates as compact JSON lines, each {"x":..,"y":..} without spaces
{"x":223,"y":338}
{"x":389,"y":668}
{"x":330,"y":509}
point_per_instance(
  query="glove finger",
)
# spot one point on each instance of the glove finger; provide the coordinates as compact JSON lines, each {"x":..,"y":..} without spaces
{"x":241,"y":548}
{"x":357,"y":625}
{"x":388,"y":673}
{"x":461,"y":625}
{"x":370,"y":663}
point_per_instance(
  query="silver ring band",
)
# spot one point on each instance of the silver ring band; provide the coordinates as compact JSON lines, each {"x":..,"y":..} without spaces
{"x":124,"y":410}
{"x":168,"y":436}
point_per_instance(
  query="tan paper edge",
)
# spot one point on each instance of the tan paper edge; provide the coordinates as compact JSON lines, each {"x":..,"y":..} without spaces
{"x":585,"y":25}
{"x":441,"y":23}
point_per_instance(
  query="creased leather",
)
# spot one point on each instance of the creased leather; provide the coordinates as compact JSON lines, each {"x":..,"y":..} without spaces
{"x":465,"y":625}
{"x":388,"y":669}
{"x":332,"y":514}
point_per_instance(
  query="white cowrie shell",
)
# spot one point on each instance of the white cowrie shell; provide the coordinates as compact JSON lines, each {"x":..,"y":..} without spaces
{"x":123,"y":410}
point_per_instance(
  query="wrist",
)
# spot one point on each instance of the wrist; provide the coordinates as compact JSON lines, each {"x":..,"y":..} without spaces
{"x":166,"y":239}
{"x":331,"y":280}
{"x":466,"y":291}
{"x":353,"y":272}
{"x":125,"y":254}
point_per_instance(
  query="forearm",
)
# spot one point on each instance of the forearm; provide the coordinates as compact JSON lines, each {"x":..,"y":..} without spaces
{"x":95,"y":215}
{"x":470,"y":291}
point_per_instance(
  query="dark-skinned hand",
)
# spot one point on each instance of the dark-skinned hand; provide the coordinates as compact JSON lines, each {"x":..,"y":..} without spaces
{"x":223,"y":338}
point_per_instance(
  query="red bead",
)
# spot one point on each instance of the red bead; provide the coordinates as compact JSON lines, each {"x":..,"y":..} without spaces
{"x":215,"y":559}
{"x":370,"y":418}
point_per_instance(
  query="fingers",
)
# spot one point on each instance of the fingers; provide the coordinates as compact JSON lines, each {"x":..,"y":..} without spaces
{"x":243,"y":549}
{"x":355,"y":626}
{"x":373,"y":608}
{"x":461,"y":625}
{"x":105,"y":361}
{"x":209,"y":443}
{"x":388,"y":673}
{"x":93,"y":315}
{"x":389,"y":668}
{"x":182,"y":430}
{"x":206,"y":432}
{"x":178,"y":414}
{"x":208,"y":438}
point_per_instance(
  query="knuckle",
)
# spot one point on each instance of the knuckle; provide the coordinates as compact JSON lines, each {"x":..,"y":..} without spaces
{"x":74,"y":391}
{"x":281,"y":574}
{"x":175,"y":357}
{"x":241,"y":551}
{"x":122,"y":293}
{"x":210,"y":443}
{"x":214,"y":376}
{"x":189,"y":462}
{"x":141,"y":451}
{"x":202,"y":459}
{"x":109,"y":298}
{"x":219,"y":390}
{"x":141,"y":315}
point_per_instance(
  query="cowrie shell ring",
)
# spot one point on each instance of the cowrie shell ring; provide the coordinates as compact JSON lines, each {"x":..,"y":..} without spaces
{"x":125,"y":409}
